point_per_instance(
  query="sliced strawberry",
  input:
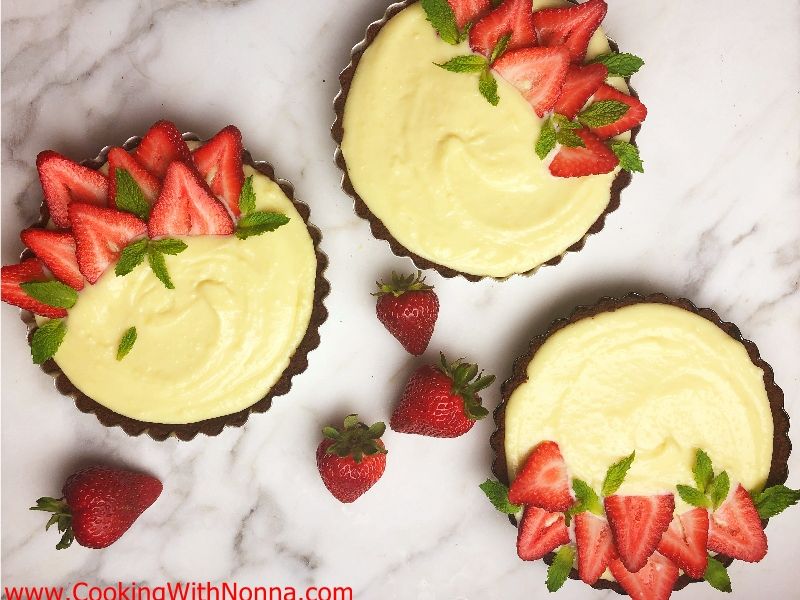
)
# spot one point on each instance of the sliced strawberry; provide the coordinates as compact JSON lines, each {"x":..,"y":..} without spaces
{"x":540,"y":532}
{"x":512,"y":16}
{"x":219,"y":161}
{"x":543,"y":480}
{"x":735,"y":529}
{"x":635,"y":115}
{"x":595,"y":546}
{"x":56,"y":249}
{"x":119,"y":158}
{"x":538,"y":73}
{"x":187,"y":207}
{"x":160,"y":146}
{"x":594,"y":158}
{"x":654,"y":581}
{"x":467,"y":11}
{"x":637,"y":524}
{"x":100,"y":235}
{"x":685,"y":542}
{"x":65,"y":181}
{"x":582,"y":81}
{"x":572,"y":27}
{"x":28,"y":270}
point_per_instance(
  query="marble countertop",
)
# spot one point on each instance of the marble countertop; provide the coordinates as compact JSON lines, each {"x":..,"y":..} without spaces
{"x":716,"y":218}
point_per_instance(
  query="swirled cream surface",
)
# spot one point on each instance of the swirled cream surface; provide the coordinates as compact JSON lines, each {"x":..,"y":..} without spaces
{"x":455,"y":179}
{"x":652,"y":378}
{"x":212,"y":346}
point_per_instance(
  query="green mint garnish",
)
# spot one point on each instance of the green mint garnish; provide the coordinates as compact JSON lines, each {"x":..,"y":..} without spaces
{"x":718,"y":489}
{"x":52,"y":293}
{"x":487,"y":85}
{"x":256,"y":223}
{"x":247,"y":197}
{"x":616,"y":474}
{"x":134,"y":254}
{"x":567,"y":137}
{"x":547,"y":139}
{"x":603,"y":113}
{"x":497,"y":493}
{"x":717,"y":575}
{"x":169,"y":246}
{"x":46,"y":340}
{"x":443,"y":19}
{"x":773,"y":501}
{"x":159,"y":267}
{"x":620,"y":64}
{"x":558,"y":572}
{"x":131,"y":257}
{"x":470,"y":63}
{"x":587,"y":499}
{"x":500,"y":48}
{"x":126,"y":343}
{"x":628,"y":156}
{"x":693,"y":496}
{"x":130,"y":197}
{"x":557,"y":129}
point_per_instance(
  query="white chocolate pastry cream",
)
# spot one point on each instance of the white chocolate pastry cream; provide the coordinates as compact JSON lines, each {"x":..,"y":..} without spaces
{"x":648,"y":377}
{"x":212,"y":346}
{"x":453,"y":178}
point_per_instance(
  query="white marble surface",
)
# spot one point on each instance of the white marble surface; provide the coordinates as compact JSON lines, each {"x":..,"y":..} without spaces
{"x":716,"y":218}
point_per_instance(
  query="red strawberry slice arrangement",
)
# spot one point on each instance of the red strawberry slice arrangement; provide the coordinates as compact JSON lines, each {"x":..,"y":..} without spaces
{"x":640,"y":540}
{"x":158,"y":191}
{"x":543,"y":54}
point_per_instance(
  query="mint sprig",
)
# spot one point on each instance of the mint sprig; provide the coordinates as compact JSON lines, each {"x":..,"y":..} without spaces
{"x":616,"y":473}
{"x":628,"y":156}
{"x":718,"y":489}
{"x":711,"y":490}
{"x":247,"y":197}
{"x":129,"y":196}
{"x":497,"y":493}
{"x":154,"y":250}
{"x":500,"y":48}
{"x":703,"y":471}
{"x":46,"y":340}
{"x":774,"y":500}
{"x":558,"y":571}
{"x":126,"y":343}
{"x":52,"y":293}
{"x":469,"y":63}
{"x":546,"y":140}
{"x":557,"y":129}
{"x":487,"y":85}
{"x":717,"y":575}
{"x":604,"y":112}
{"x":693,"y":496}
{"x":587,"y":500}
{"x":443,"y":19}
{"x":620,"y":64}
{"x":255,"y":222}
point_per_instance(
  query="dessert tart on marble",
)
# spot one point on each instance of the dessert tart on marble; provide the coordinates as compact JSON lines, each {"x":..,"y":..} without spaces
{"x":658,"y":431}
{"x":486,"y":142}
{"x":177,"y":284}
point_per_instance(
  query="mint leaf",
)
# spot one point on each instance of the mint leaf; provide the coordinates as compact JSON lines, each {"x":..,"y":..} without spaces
{"x":443,"y":19}
{"x":620,"y":64}
{"x":616,"y":474}
{"x":717,"y":575}
{"x":500,"y":48}
{"x":46,"y":340}
{"x":487,"y":85}
{"x":628,"y":156}
{"x":471,"y":63}
{"x":259,"y":222}
{"x":564,"y":123}
{"x":126,"y":343}
{"x":547,"y":139}
{"x":130,"y":197}
{"x":718,"y":489}
{"x":702,"y":470}
{"x":773,"y":501}
{"x":497,"y":494}
{"x":558,"y":572}
{"x":52,"y":293}
{"x":131,"y":257}
{"x":169,"y":246}
{"x":247,"y":197}
{"x":567,"y":137}
{"x":159,"y":267}
{"x":693,"y":496}
{"x":603,"y":113}
{"x":587,"y":498}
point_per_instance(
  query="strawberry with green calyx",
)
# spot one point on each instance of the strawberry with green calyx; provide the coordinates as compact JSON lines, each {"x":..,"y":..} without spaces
{"x":441,"y":401}
{"x":351,"y":460}
{"x":408,"y":308}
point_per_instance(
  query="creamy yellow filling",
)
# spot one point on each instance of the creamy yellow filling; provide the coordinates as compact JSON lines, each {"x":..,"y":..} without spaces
{"x":212,"y":346}
{"x":651,"y":378}
{"x":453,"y":178}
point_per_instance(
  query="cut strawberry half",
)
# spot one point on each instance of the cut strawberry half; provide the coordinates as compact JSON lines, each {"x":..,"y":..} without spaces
{"x":512,"y":16}
{"x":582,"y":81}
{"x":100,"y":236}
{"x":637,"y":524}
{"x":654,"y":581}
{"x":65,"y":181}
{"x":467,"y":11}
{"x":735,"y":529}
{"x":119,"y":158}
{"x":635,"y":115}
{"x":12,"y":276}
{"x":572,"y":27}
{"x":160,"y":146}
{"x":56,"y":249}
{"x":543,"y":480}
{"x":595,"y":546}
{"x":219,"y":161}
{"x":187,"y":207}
{"x":686,"y":540}
{"x":538,"y":73}
{"x":540,"y":532}
{"x":594,"y":158}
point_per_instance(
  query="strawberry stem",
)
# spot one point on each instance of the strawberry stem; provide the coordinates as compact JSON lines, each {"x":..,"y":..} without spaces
{"x":400,"y":284}
{"x":465,"y":385}
{"x":61,"y":517}
{"x":355,"y":439}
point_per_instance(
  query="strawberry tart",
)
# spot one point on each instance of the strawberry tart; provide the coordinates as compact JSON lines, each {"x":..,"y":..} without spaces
{"x":485,"y":139}
{"x":642,"y":445}
{"x":176,"y":285}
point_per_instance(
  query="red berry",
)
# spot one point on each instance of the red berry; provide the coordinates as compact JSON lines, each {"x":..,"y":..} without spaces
{"x":595,"y":546}
{"x":635,"y":115}
{"x":538,"y":73}
{"x":513,"y":17}
{"x":735,"y":529}
{"x":56,"y":249}
{"x":581,"y":83}
{"x":543,"y":480}
{"x":467,"y":11}
{"x":28,"y":270}
{"x":594,"y":158}
{"x":219,"y":161}
{"x":65,"y":181}
{"x":540,"y":532}
{"x":572,"y":27}
{"x":119,"y":158}
{"x":654,"y":581}
{"x":161,"y":146}
{"x":408,"y":308}
{"x":637,"y":524}
{"x":686,"y":540}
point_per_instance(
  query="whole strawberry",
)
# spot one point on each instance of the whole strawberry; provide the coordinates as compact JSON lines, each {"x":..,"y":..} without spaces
{"x":352,"y":460}
{"x":99,"y":505}
{"x":441,"y":401}
{"x":408,"y":308}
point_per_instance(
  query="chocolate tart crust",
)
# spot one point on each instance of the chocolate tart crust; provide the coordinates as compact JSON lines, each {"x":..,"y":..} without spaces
{"x":781,"y":445}
{"x":379,"y":230}
{"x":209,"y":427}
